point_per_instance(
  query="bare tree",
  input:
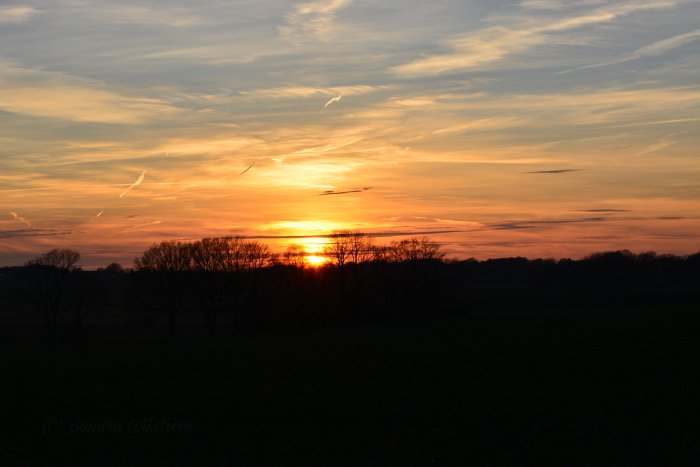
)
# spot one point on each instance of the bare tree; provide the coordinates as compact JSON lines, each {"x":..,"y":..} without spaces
{"x":255,"y":257}
{"x":294,"y":256}
{"x":162,"y":270}
{"x":346,"y":246}
{"x":86,"y":293}
{"x":417,"y":262}
{"x":415,"y":249}
{"x":338,"y":249}
{"x":211,"y":282}
{"x":350,"y":251}
{"x":48,"y":277}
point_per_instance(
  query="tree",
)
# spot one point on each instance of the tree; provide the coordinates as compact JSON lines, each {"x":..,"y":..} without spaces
{"x":349,"y":251}
{"x":214,"y":282}
{"x":346,"y":246}
{"x":294,"y":256}
{"x":47,"y":277}
{"x":87,"y":290}
{"x":417,"y":260}
{"x":337,"y":249}
{"x":415,"y":249}
{"x":162,"y":271}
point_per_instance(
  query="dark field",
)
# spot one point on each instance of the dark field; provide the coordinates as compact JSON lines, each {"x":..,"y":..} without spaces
{"x":578,"y":387}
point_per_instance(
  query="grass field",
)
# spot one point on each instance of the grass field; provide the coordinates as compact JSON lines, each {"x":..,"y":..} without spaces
{"x":597,"y":388}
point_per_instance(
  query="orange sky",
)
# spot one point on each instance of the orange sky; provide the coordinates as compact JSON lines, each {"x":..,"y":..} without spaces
{"x":537,"y":128}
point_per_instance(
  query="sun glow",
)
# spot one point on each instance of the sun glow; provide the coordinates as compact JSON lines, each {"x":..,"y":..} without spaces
{"x":313,"y":249}
{"x":315,"y":260}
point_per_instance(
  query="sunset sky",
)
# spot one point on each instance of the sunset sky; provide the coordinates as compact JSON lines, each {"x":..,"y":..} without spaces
{"x":539,"y":128}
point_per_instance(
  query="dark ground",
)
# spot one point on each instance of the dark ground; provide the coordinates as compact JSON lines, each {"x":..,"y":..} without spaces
{"x":604,"y":387}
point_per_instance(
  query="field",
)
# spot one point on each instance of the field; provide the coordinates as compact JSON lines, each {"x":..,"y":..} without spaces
{"x":498,"y":387}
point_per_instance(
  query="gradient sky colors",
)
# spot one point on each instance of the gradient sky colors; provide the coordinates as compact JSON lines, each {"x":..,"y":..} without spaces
{"x":540,"y":128}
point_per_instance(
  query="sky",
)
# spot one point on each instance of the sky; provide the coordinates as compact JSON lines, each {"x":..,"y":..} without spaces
{"x":538,"y":128}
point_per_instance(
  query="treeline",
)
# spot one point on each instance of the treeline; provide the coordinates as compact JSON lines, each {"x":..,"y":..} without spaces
{"x":233,"y":284}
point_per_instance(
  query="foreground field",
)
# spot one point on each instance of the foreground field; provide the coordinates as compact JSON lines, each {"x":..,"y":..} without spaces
{"x":492,"y":388}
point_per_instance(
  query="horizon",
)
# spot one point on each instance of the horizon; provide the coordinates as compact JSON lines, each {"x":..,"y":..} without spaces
{"x":311,"y":249}
{"x":532,"y":128}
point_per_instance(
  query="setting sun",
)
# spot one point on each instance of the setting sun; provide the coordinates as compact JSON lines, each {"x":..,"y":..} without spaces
{"x":316,"y":260}
{"x":313,"y":251}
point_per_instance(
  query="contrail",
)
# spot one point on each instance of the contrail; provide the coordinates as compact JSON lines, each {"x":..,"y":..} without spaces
{"x":98,"y":215}
{"x":358,"y":190}
{"x":21,"y":219}
{"x":249,"y":167}
{"x":135,"y":184}
{"x":557,"y":171}
{"x":334,"y":99}
{"x":142,"y":225}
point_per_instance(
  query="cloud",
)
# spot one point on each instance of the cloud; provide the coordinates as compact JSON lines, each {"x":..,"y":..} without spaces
{"x":542,"y":5}
{"x":517,"y":225}
{"x":135,"y":184}
{"x":493,"y":44}
{"x":357,"y":190}
{"x":40,"y":93}
{"x":332,"y":100}
{"x":656,"y":48}
{"x":98,"y":215}
{"x":494,"y":123}
{"x":32,"y":233}
{"x":21,"y":219}
{"x":156,"y":222}
{"x":248,"y":168}
{"x":601,"y":210}
{"x":16,"y":14}
{"x":315,"y":20}
{"x":555,"y":171}
{"x":661,"y":144}
{"x":297,"y":92}
{"x":137,"y":14}
{"x":381,"y":234}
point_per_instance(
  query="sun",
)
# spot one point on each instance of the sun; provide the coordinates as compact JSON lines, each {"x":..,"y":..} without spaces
{"x":313,"y":247}
{"x":316,"y":260}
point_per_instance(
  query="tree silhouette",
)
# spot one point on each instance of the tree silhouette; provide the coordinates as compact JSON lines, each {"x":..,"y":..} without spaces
{"x":211,"y":281}
{"x":417,"y":260}
{"x":86,"y":291}
{"x":47,"y":278}
{"x":162,"y":272}
{"x":348,"y":251}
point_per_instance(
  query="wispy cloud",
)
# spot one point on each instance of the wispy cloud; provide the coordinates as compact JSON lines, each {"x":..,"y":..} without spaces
{"x":21,"y":219}
{"x":248,"y":168}
{"x":542,"y":4}
{"x":119,"y":12}
{"x":98,"y":215}
{"x":496,"y":43}
{"x":482,"y":124}
{"x":32,"y":233}
{"x":16,"y":14}
{"x":156,"y":222}
{"x":517,"y":225}
{"x":134,"y":185}
{"x":555,"y":171}
{"x":314,"y":20}
{"x":600,"y":210}
{"x":332,"y":100}
{"x":57,"y":95}
{"x":658,"y":146}
{"x":297,"y":92}
{"x":357,"y":190}
{"x":656,"y":48}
